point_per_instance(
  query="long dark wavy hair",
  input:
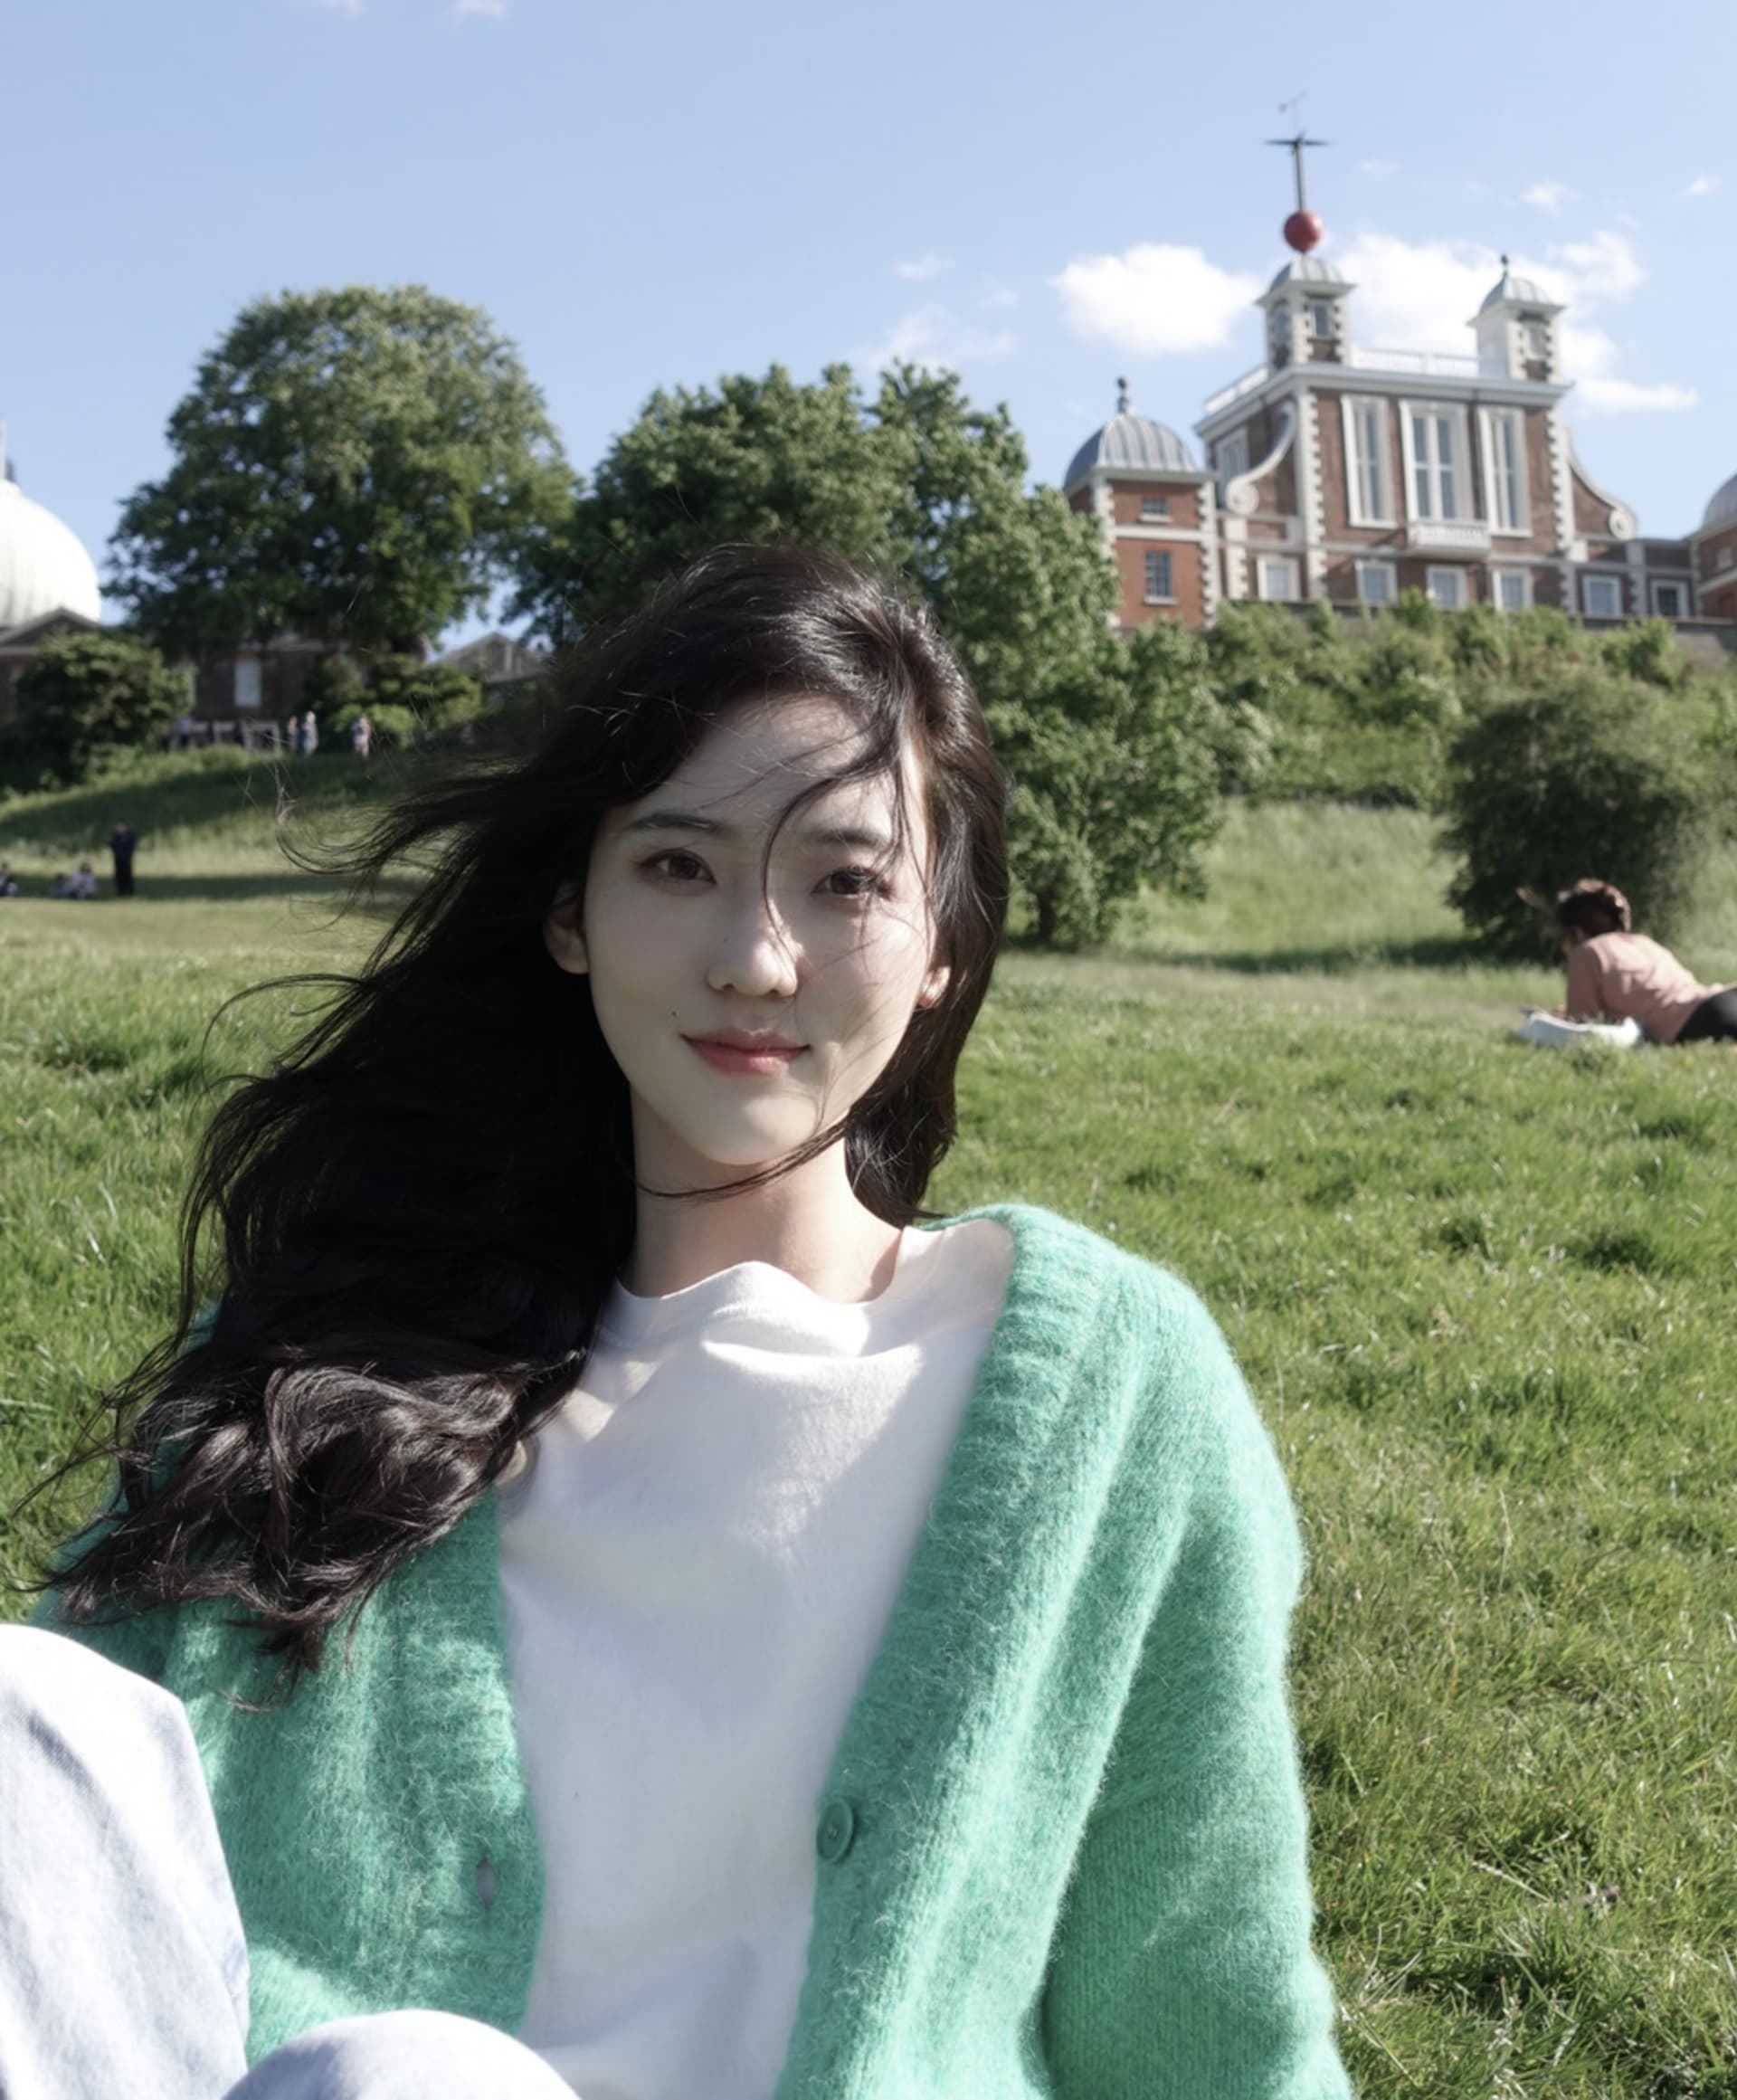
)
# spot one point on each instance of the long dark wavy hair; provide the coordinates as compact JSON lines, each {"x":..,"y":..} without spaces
{"x":412,"y":1221}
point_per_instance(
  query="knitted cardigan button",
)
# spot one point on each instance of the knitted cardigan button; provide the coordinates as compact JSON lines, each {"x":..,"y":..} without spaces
{"x":837,"y":1832}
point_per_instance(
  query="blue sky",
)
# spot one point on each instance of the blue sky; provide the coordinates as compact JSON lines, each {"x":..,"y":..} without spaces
{"x":1042,"y":196}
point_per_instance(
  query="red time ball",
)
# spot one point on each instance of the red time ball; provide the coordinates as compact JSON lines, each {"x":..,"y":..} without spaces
{"x":1303,"y":231}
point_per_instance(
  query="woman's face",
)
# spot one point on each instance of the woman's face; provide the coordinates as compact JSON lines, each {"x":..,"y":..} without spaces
{"x":753,"y":976}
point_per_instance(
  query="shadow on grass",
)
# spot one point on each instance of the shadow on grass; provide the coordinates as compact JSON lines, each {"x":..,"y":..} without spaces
{"x":236,"y":889}
{"x":1434,"y":952}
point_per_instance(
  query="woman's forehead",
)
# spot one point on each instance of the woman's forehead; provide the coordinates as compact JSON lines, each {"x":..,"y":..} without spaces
{"x":762,"y":756}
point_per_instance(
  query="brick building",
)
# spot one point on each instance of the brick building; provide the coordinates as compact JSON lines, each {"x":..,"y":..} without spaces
{"x":1339,"y":472}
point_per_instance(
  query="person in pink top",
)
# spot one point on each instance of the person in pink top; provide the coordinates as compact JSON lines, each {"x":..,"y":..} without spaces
{"x":1614,"y":973}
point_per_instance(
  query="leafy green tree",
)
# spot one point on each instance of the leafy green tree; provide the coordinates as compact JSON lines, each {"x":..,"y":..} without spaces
{"x":83,"y":697}
{"x":753,"y":462}
{"x":359,"y":466}
{"x":1598,"y":775}
{"x":1115,"y":750}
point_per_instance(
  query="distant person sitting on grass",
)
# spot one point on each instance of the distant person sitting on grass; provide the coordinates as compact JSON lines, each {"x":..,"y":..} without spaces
{"x":1618,"y":974}
{"x":81,"y":884}
{"x":8,"y":881}
{"x":123,"y":842}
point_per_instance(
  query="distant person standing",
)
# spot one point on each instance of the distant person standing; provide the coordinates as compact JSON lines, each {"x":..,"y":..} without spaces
{"x":362,"y":737}
{"x":308,"y":735}
{"x":123,"y":842}
{"x":8,"y":881}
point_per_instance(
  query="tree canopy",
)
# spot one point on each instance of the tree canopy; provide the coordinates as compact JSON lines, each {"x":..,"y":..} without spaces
{"x":359,"y":466}
{"x":1110,"y":747}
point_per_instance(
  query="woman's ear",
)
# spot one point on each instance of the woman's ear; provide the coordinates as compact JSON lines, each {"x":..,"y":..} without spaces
{"x":563,"y":934}
{"x":934,"y":986}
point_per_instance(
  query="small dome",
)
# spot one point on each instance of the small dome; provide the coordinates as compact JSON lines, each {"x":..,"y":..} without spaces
{"x":1723,"y":509}
{"x":1516,"y":290}
{"x":1306,"y":269}
{"x":1131,"y":440}
{"x":43,"y":568}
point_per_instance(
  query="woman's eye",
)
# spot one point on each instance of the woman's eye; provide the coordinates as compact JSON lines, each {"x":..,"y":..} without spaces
{"x":859,"y":882}
{"x":677,"y":865}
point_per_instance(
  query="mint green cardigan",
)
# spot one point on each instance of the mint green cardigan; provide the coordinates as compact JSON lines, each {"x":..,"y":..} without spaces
{"x":1062,"y":1847}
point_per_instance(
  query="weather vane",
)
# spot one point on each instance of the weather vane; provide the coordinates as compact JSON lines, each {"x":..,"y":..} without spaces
{"x":1303,"y":228}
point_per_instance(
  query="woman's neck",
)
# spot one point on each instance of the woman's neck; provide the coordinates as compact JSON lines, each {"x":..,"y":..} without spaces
{"x":807,"y":1222}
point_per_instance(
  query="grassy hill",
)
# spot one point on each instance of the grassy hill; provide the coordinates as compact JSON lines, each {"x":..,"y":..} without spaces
{"x":1483,"y":1293}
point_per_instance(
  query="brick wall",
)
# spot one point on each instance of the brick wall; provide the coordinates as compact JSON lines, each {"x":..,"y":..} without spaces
{"x":1189,"y":606}
{"x":1183,"y":497}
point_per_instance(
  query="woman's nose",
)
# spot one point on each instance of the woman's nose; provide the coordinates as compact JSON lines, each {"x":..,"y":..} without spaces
{"x":756,"y":954}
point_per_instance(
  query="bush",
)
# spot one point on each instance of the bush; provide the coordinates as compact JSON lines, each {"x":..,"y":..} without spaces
{"x":83,"y":699}
{"x":1597,"y":775}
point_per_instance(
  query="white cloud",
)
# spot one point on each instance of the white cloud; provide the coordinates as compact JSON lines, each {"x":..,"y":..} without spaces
{"x":1378,"y":169}
{"x":1154,"y":300}
{"x":1421,"y":294}
{"x":924,"y":269}
{"x":480,"y":10}
{"x":1549,"y":197}
{"x":930,"y":336}
{"x":1703,"y":186}
{"x":1619,"y":396}
{"x":337,"y":6}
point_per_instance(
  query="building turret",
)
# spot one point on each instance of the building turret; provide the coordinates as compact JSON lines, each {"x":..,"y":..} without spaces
{"x":1517,"y":333}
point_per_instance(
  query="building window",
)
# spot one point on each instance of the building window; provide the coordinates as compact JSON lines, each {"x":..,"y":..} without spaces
{"x":1727,"y":555}
{"x":1159,"y":582}
{"x":1504,"y":467}
{"x":1447,"y":588}
{"x":1230,"y":455}
{"x":1601,"y":597}
{"x":1154,"y":509}
{"x":247,"y":683}
{"x":1434,"y":448}
{"x":1513,"y":589}
{"x":1324,"y":322}
{"x":1375,"y":583}
{"x":1368,"y":471}
{"x":1538,"y":342}
{"x":1278,"y":579}
{"x":1671,"y":600}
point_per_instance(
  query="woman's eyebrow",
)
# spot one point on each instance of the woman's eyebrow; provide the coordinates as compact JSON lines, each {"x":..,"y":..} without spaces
{"x":855,"y":838}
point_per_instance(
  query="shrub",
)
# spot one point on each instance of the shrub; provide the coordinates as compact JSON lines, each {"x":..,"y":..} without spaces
{"x":84,"y":698}
{"x":1596,"y":774}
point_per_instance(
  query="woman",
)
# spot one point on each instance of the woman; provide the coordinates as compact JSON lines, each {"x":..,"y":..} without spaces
{"x":1615,"y":974}
{"x":635,"y":1588}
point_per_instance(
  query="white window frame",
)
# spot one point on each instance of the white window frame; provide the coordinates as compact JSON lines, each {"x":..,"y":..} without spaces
{"x":1154,"y":510}
{"x":1266,"y":563}
{"x":250,"y":684}
{"x":1535,"y":340}
{"x":1160,"y":554}
{"x":1351,"y":406}
{"x":1510,"y":505}
{"x":1454,"y":414}
{"x":1329,"y":332}
{"x":1727,"y":558}
{"x":1498,"y":577}
{"x":1587,"y":607}
{"x":1680,"y":585}
{"x":1231,"y":454}
{"x":1388,"y":571}
{"x":1433,"y":578}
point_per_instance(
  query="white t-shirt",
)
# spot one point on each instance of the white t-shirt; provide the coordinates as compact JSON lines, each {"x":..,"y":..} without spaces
{"x":696,"y":1571}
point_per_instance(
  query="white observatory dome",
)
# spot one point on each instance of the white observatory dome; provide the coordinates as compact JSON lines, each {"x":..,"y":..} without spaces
{"x":43,"y":568}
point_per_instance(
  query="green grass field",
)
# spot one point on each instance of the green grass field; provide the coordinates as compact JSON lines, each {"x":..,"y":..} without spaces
{"x":1483,"y":1293}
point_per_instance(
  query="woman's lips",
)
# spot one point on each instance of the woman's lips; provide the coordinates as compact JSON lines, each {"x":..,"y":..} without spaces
{"x":764,"y":1056}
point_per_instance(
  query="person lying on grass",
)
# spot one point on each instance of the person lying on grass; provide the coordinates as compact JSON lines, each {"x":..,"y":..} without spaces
{"x":653,"y":1613}
{"x":1614,"y":973}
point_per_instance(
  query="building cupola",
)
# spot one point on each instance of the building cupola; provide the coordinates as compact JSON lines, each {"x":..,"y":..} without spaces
{"x":1517,"y":332}
{"x":1307,"y":304}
